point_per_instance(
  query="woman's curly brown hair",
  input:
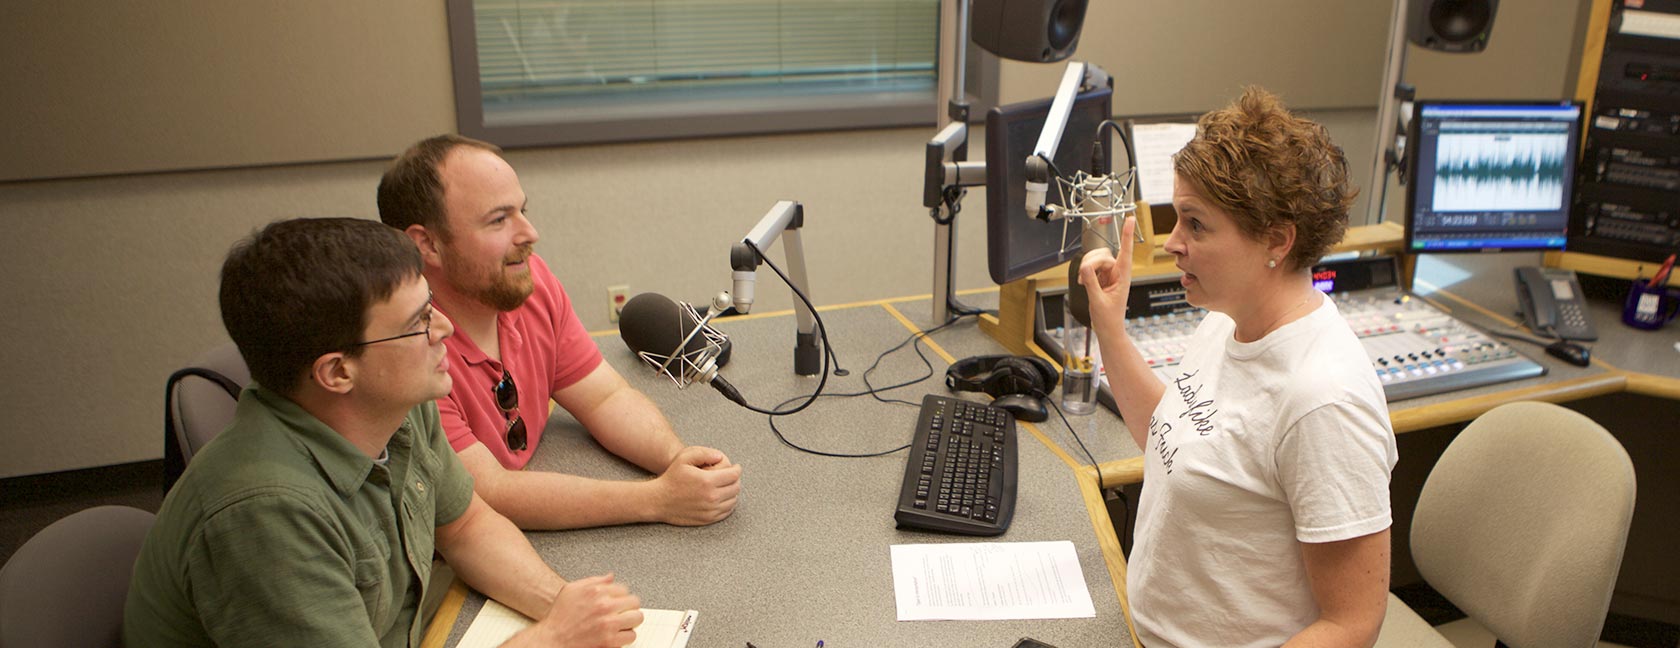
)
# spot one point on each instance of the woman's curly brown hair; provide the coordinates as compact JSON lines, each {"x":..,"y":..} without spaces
{"x":1267,"y":167}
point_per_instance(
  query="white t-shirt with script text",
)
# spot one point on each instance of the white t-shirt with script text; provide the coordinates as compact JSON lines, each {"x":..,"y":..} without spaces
{"x":1255,"y":448}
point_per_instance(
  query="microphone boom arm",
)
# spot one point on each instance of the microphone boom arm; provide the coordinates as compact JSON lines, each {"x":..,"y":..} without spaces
{"x":784,"y":221}
{"x":1078,"y":77}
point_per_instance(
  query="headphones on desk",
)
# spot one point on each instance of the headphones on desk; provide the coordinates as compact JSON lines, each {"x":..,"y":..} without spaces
{"x":1003,"y":375}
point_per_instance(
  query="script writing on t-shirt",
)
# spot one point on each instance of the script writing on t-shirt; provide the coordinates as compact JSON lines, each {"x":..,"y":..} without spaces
{"x":1197,"y":411}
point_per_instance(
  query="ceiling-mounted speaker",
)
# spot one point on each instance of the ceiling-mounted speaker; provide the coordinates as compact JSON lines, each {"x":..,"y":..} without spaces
{"x":1037,"y":31}
{"x":1460,"y":26}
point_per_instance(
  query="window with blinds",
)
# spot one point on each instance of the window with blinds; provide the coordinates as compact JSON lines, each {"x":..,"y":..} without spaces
{"x":570,"y":71}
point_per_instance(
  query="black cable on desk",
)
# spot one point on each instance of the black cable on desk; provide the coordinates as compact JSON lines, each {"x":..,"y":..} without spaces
{"x":1101,"y":485}
{"x":821,"y":330}
{"x":873,"y":391}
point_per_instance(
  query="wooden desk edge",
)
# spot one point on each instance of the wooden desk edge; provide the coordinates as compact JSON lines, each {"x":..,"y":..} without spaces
{"x":1652,"y":385}
{"x":1465,"y":409}
{"x":443,"y":620}
{"x":1103,"y":526}
{"x":1128,"y":471}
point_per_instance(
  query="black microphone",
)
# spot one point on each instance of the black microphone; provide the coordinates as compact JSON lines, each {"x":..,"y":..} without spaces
{"x":654,"y":328}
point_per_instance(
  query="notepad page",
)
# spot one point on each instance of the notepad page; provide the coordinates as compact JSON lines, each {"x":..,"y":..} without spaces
{"x":1155,"y":145}
{"x":497,"y":623}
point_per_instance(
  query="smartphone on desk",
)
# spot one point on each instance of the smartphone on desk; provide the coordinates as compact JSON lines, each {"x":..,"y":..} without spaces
{"x":1552,"y":303}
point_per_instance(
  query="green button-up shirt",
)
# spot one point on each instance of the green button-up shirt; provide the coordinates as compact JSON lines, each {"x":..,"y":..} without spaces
{"x":282,"y":533}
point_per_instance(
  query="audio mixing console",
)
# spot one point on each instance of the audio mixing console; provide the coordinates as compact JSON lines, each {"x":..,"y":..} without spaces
{"x":1415,"y":348}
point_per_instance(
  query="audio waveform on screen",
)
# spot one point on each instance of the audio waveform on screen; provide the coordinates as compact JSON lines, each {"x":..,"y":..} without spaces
{"x":1500,"y":172}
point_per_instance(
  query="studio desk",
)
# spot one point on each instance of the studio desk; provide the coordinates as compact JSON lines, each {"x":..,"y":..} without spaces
{"x":805,"y":556}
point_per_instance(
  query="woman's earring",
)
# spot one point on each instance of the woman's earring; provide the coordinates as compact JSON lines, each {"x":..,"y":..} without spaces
{"x":1271,"y":263}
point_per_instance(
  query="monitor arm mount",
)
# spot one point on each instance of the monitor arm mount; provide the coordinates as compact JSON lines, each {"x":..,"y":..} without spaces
{"x":784,"y":220}
{"x":948,"y":170}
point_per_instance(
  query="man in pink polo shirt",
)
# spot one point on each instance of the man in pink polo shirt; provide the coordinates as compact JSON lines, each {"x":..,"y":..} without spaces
{"x":517,"y":344}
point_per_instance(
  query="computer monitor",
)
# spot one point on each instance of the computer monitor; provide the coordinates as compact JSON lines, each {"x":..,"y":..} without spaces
{"x":1017,"y":244}
{"x":1491,"y":176}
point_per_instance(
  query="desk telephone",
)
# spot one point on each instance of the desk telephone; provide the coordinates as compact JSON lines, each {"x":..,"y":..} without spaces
{"x":1552,"y":304}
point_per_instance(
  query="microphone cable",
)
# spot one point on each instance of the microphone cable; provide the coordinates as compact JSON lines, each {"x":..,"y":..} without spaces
{"x":1125,"y":143}
{"x":1102,"y":485}
{"x":874,"y":392}
{"x":822,"y":330}
{"x":829,"y":356}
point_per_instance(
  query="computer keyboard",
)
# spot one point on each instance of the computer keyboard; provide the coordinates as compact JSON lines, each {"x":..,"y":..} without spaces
{"x":960,"y":475}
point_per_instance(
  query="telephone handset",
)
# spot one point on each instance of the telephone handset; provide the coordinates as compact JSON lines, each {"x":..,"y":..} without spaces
{"x":1552,"y":304}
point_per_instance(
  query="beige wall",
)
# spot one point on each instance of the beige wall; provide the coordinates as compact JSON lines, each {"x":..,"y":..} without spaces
{"x":94,"y":87}
{"x":110,"y":281}
{"x":1187,"y":56}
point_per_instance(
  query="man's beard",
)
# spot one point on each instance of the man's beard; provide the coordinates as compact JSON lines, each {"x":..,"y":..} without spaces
{"x":507,"y":293}
{"x":498,"y":289}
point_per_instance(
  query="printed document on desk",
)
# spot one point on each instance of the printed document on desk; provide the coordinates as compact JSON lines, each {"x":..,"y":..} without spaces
{"x":497,"y":623}
{"x":989,"y":580}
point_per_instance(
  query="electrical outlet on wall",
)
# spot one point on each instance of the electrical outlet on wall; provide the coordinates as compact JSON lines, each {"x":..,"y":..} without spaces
{"x":616,"y":296}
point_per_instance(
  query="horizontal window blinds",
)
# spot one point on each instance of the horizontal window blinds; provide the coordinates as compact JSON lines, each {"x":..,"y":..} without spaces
{"x":544,"y":50}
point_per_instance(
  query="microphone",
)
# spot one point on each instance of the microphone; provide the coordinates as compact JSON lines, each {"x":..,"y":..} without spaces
{"x":670,"y":338}
{"x":1101,"y":202}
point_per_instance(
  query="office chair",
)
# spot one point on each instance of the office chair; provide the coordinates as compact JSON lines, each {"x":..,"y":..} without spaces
{"x":66,"y":586}
{"x":199,"y":403}
{"x":1522,"y":525}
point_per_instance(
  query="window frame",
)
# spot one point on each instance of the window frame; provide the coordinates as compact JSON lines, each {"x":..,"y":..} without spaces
{"x":469,"y":109}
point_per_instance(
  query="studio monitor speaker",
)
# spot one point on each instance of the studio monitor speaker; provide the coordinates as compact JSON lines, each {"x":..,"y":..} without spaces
{"x":1451,"y":25}
{"x":1038,"y":31}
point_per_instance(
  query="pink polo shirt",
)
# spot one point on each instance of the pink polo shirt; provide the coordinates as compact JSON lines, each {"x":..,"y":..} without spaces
{"x":543,"y":346}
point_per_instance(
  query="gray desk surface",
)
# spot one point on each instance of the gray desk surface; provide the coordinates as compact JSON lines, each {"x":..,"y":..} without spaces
{"x":1486,"y":280}
{"x":806,"y":554}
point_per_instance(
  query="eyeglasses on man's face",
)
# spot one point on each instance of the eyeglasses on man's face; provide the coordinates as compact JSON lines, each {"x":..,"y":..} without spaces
{"x":425,"y":327}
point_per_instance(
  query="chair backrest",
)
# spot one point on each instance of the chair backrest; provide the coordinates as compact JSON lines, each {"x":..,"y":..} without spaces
{"x":66,"y":586}
{"x":1523,"y":522}
{"x":199,"y":402}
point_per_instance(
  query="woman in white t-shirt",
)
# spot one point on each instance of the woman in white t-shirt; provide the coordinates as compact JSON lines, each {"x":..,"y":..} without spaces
{"x":1265,"y":518}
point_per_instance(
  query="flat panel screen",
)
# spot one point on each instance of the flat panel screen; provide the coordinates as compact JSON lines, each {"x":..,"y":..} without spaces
{"x":1017,"y":244}
{"x":1491,"y":176}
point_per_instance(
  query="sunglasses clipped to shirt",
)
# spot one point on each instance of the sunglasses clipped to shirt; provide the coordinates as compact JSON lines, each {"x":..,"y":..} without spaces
{"x":507,"y":398}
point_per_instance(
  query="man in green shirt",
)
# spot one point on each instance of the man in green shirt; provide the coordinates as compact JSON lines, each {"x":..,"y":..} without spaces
{"x":312,"y":519}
